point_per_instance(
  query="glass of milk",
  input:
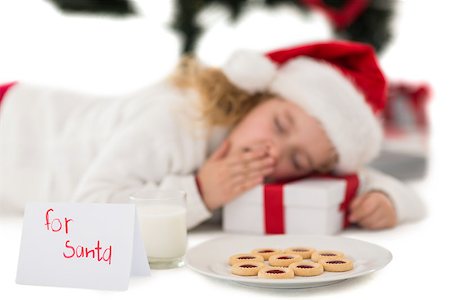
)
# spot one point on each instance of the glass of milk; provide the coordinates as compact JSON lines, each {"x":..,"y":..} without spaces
{"x":162,"y":220}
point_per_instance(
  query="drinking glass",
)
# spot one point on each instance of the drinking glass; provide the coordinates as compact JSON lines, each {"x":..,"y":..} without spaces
{"x":162,"y":220}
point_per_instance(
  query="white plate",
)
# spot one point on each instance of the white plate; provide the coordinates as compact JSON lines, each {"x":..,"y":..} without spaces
{"x":211,"y":258}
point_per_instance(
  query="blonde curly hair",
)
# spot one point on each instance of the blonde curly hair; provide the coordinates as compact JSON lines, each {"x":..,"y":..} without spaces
{"x":221,"y":102}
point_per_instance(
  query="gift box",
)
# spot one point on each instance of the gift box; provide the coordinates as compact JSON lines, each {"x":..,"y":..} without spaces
{"x":315,"y":205}
{"x":404,"y":152}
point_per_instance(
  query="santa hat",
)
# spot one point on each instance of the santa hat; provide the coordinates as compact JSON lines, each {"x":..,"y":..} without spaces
{"x":339,"y":83}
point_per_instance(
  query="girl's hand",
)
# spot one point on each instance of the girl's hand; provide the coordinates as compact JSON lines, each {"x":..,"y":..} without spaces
{"x":373,"y":210}
{"x":226,"y":175}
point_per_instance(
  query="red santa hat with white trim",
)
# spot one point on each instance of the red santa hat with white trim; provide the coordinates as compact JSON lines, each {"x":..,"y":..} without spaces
{"x":339,"y":83}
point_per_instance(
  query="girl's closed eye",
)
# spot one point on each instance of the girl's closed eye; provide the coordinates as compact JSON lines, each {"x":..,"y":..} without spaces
{"x":277,"y":124}
{"x":282,"y":128}
{"x":296,"y":164}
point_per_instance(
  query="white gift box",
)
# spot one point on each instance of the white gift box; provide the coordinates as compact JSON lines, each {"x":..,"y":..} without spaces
{"x":306,"y":206}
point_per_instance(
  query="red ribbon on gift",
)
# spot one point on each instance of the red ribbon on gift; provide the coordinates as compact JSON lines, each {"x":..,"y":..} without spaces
{"x":4,"y":88}
{"x":274,"y":220}
{"x":273,"y":208}
{"x":351,"y":189}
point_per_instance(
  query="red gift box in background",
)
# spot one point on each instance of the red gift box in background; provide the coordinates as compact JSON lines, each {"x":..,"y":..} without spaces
{"x":313,"y":205}
{"x":406,"y":108}
{"x":404,"y":152}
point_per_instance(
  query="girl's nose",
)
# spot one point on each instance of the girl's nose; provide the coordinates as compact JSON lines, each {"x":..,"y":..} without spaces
{"x":274,"y":150}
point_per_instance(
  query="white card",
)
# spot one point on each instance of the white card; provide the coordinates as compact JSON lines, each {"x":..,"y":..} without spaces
{"x":83,"y":245}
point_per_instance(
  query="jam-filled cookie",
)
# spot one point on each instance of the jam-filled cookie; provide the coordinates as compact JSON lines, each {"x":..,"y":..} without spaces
{"x":247,"y":268}
{"x":305,"y":252}
{"x":244,"y":257}
{"x":306,"y":268}
{"x":276,"y":273}
{"x":325,"y":254}
{"x":266,"y":252}
{"x":284,"y":260}
{"x":336,"y":264}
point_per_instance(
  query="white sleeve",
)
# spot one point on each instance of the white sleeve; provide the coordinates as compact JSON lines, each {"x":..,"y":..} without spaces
{"x":138,"y":157}
{"x":408,"y":205}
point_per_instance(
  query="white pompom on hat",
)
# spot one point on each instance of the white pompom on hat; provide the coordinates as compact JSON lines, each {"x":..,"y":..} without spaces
{"x":249,"y":79}
{"x":339,"y":83}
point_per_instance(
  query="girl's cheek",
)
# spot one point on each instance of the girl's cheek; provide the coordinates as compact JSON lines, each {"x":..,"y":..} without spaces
{"x":279,"y":172}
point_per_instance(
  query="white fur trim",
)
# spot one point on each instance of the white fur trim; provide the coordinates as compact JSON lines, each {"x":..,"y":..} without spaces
{"x":250,"y":70}
{"x":326,"y":94}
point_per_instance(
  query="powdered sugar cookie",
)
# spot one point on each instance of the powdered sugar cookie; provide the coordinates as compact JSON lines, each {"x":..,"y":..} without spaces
{"x":244,"y":257}
{"x":276,"y":273}
{"x":284,"y":260}
{"x":324,"y":254}
{"x":305,"y":252}
{"x":336,"y":264}
{"x":247,"y":268}
{"x":266,"y":252}
{"x":306,"y":268}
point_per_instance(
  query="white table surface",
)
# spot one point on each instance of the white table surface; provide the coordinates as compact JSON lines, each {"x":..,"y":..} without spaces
{"x":418,"y":267}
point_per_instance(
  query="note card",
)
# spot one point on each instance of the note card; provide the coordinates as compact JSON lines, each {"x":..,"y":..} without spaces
{"x":82,"y":245}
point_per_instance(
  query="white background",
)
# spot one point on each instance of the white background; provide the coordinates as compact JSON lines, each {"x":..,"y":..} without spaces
{"x":110,"y":56}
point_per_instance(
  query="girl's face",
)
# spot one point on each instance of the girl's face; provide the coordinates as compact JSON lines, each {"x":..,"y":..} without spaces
{"x":297,"y":141}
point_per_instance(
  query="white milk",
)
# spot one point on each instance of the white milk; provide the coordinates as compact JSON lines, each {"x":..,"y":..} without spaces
{"x":163,"y":229}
